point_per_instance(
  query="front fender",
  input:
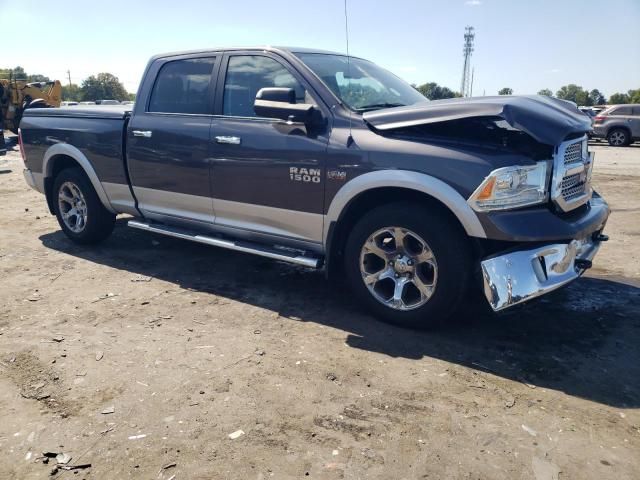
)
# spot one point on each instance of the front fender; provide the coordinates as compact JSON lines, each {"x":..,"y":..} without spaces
{"x":410,"y":180}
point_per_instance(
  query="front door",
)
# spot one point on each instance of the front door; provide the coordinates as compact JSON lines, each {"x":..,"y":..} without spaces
{"x":268,"y":175}
{"x":168,"y":143}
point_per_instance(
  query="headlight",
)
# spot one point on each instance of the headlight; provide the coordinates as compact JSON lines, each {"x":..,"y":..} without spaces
{"x":512,"y":187}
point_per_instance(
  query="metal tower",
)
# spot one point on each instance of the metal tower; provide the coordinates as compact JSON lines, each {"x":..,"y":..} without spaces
{"x":465,"y":85}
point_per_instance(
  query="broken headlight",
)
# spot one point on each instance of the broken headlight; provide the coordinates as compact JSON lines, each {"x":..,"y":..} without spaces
{"x":512,"y":187}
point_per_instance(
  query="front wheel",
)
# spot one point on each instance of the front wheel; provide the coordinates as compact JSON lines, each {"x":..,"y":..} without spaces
{"x":408,"y":263}
{"x":618,"y":137}
{"x":78,"y":208}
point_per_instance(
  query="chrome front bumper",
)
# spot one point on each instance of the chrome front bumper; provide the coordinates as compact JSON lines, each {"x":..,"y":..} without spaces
{"x":519,"y":276}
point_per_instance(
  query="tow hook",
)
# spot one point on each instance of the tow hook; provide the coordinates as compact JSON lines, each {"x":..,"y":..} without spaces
{"x":583,"y":264}
{"x":600,"y":237}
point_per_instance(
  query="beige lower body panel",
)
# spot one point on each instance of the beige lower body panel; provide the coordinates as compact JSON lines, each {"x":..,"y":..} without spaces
{"x":269,"y":220}
{"x":215,"y":214}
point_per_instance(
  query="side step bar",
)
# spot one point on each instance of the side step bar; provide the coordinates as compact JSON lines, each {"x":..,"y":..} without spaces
{"x":238,"y":246}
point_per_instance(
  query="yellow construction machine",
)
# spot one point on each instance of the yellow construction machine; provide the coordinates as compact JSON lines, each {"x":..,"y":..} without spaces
{"x":18,"y":95}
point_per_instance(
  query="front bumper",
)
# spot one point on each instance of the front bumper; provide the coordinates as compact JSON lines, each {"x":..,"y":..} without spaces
{"x":519,"y":276}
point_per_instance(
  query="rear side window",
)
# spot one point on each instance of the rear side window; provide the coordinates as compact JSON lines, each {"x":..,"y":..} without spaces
{"x":246,"y":74}
{"x":182,"y":86}
{"x":621,"y":111}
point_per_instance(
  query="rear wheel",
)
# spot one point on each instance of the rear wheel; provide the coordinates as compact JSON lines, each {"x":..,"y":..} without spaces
{"x":408,"y":264}
{"x":78,"y":209}
{"x":618,"y":137}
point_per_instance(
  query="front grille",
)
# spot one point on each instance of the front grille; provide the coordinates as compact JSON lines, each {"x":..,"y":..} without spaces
{"x":573,"y":153}
{"x":572,"y":187}
{"x":571,"y":183}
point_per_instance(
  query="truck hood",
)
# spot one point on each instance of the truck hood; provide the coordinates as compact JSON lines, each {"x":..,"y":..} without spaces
{"x":547,"y":120}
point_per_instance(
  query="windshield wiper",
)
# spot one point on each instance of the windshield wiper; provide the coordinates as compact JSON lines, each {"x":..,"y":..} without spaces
{"x":377,"y":106}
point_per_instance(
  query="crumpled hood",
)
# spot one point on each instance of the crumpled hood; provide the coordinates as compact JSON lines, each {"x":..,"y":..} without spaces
{"x":548,"y":120}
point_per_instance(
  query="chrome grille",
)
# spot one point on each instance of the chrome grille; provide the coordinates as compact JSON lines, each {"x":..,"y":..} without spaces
{"x":571,"y":182}
{"x":572,"y":186}
{"x":573,"y":153}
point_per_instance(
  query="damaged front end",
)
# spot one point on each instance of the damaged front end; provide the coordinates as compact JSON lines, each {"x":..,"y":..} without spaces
{"x":542,"y":205}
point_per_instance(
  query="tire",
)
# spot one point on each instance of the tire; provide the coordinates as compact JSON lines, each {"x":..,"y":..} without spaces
{"x":89,"y":221}
{"x":433,"y":288}
{"x":618,"y":137}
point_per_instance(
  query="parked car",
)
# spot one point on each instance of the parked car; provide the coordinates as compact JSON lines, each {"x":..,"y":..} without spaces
{"x":107,"y":102}
{"x":127,"y":102}
{"x":619,"y":124}
{"x":68,"y":104}
{"x":327,"y":161}
{"x":86,"y":103}
{"x":587,"y":111}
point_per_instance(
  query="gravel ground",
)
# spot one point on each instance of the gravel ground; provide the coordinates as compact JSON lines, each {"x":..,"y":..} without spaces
{"x":154,"y":358}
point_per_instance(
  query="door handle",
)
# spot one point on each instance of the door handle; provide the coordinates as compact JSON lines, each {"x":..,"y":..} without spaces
{"x":142,"y":133}
{"x":228,"y":140}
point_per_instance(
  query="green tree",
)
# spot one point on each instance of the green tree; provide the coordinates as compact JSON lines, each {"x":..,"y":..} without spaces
{"x":506,"y":91}
{"x":546,"y":92}
{"x":18,"y":73}
{"x":103,"y":86}
{"x":634,"y":96}
{"x":433,"y":91}
{"x":618,"y":98}
{"x":71,"y":93}
{"x":38,"y":78}
{"x":596,"y":97}
{"x":574,"y":93}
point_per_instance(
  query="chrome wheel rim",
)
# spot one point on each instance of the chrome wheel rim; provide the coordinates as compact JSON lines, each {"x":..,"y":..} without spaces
{"x":73,"y":207}
{"x":398,"y":268}
{"x":618,"y":138}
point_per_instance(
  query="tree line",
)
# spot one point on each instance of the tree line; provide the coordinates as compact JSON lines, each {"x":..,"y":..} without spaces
{"x":572,"y":92}
{"x":103,"y":86}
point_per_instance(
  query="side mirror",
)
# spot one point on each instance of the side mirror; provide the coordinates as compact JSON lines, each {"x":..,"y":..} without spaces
{"x":281,"y":103}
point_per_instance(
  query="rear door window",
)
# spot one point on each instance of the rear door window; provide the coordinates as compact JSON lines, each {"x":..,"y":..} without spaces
{"x":246,"y":74}
{"x":184,"y":86}
{"x":621,"y":111}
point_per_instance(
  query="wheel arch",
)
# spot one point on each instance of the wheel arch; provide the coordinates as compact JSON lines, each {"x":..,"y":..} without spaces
{"x":619,"y":127}
{"x":377,"y":188}
{"x":63,"y":155}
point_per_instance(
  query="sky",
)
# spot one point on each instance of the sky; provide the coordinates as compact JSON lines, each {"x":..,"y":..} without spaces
{"x":526,"y":45}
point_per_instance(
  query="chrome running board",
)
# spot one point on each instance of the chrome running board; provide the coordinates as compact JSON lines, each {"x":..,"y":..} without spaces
{"x":285,"y":255}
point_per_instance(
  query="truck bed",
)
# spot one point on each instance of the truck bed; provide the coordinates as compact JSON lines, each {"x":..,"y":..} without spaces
{"x":97,"y":131}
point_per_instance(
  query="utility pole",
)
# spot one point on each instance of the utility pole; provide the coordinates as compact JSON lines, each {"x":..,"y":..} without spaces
{"x":465,"y":84}
{"x":69,"y":76}
{"x":473,"y":72}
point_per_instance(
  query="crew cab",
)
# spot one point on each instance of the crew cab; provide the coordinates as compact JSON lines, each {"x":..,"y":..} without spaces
{"x":325,"y":160}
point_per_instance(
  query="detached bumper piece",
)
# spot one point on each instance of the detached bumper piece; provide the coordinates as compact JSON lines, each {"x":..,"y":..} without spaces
{"x":519,"y":276}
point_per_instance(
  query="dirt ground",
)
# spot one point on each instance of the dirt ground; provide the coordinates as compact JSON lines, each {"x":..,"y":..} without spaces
{"x":187,"y":344}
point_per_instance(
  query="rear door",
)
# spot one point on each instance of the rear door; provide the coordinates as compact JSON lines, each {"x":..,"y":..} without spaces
{"x":168,"y":141}
{"x":268,"y":174}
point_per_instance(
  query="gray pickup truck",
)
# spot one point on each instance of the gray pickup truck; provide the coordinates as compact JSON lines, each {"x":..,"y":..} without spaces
{"x":325,"y":160}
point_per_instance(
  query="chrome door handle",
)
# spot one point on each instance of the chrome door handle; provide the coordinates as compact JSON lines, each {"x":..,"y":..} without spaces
{"x":142,"y":133}
{"x":228,"y":139}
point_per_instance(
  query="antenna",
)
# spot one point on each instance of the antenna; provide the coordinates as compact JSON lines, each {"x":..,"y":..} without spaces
{"x":467,"y":50}
{"x":346,"y":34}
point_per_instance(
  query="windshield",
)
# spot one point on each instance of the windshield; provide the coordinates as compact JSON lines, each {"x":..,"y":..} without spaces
{"x":361,"y":85}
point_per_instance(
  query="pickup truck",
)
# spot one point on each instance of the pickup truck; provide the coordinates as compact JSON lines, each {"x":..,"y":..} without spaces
{"x":326,"y":160}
